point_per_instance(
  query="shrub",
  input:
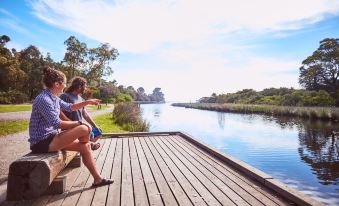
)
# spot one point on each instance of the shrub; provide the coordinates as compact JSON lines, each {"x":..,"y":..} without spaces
{"x":13,"y":97}
{"x":128,"y":116}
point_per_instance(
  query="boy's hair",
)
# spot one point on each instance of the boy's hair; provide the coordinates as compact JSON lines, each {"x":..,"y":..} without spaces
{"x":51,"y":76}
{"x":76,"y":83}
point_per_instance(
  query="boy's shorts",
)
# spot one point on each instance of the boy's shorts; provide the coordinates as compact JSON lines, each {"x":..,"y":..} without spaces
{"x":95,"y":132}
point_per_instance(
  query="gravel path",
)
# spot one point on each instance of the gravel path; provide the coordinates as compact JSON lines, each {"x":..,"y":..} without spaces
{"x":16,"y":145}
{"x":8,"y":116}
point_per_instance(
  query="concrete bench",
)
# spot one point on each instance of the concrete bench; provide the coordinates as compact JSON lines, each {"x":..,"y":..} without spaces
{"x":33,"y":174}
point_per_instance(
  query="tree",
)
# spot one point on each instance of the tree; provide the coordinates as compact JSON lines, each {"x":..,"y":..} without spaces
{"x":4,"y":39}
{"x":31,"y":62}
{"x":98,"y":62}
{"x":157,"y":95}
{"x":75,"y":56}
{"x":320,"y":71}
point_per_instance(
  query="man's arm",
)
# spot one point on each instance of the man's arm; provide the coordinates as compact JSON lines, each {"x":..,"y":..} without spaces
{"x":80,"y":105}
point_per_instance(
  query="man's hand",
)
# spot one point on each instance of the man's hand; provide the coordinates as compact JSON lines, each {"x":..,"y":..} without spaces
{"x":93,"y":101}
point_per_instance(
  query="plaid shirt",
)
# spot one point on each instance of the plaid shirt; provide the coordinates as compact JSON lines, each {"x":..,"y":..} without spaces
{"x":45,"y":118}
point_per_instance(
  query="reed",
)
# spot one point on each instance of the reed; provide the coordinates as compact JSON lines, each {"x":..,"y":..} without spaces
{"x":128,"y":116}
{"x":324,"y":113}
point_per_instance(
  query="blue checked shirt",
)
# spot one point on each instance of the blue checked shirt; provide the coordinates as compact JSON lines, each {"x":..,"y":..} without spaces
{"x":45,"y":118}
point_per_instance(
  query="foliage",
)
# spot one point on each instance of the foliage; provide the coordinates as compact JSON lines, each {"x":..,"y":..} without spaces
{"x":320,"y":71}
{"x":123,"y":98}
{"x":13,"y":96}
{"x":128,"y":116}
{"x":274,"y":96}
{"x":325,"y":113}
{"x":75,"y":55}
{"x":11,"y":127}
{"x":21,"y":72}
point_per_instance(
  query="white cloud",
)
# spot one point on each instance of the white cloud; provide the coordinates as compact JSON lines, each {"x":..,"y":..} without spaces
{"x":138,"y":26}
{"x":190,"y":48}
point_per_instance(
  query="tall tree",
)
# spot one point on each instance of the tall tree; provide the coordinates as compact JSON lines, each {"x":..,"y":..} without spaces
{"x":75,"y":56}
{"x":98,"y":62}
{"x":320,"y":71}
{"x":11,"y":76}
{"x":31,"y":62}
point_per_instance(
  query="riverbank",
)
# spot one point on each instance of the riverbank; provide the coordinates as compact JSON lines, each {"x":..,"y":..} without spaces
{"x":323,"y":113}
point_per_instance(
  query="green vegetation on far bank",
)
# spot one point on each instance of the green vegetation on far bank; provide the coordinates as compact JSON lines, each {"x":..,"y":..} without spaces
{"x":15,"y":107}
{"x":11,"y":127}
{"x":324,"y":113}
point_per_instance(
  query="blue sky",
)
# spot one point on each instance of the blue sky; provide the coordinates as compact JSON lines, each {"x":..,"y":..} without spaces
{"x":188,"y":48}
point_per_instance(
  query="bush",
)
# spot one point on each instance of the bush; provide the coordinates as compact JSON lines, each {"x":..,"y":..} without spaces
{"x":123,"y":98}
{"x":128,"y":116}
{"x":13,"y":97}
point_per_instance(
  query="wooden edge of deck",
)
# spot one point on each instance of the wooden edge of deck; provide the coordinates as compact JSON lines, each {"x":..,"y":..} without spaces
{"x":267,"y":180}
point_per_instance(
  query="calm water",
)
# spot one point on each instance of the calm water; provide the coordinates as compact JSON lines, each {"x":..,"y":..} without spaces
{"x":302,"y":154}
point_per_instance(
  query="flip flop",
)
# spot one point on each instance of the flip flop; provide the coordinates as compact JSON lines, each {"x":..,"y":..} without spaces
{"x":95,"y":146}
{"x":103,"y":182}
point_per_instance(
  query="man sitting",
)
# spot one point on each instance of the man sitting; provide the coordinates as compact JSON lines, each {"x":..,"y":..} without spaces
{"x":72,"y":95}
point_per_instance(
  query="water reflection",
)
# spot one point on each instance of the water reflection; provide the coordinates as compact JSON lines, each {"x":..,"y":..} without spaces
{"x":319,"y":148}
{"x":156,"y":112}
{"x":221,"y":120}
{"x":318,"y":145}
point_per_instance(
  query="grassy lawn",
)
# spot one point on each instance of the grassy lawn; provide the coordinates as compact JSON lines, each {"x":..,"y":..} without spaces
{"x":105,"y":122}
{"x":15,"y":107}
{"x":10,"y":127}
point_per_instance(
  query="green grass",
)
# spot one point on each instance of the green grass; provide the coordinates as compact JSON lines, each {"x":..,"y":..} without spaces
{"x":11,"y":127}
{"x":105,"y":122}
{"x":324,"y":113}
{"x":15,"y":107}
{"x":94,"y":107}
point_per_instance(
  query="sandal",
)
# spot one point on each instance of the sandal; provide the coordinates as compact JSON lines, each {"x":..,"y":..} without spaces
{"x":95,"y":146}
{"x":103,"y":182}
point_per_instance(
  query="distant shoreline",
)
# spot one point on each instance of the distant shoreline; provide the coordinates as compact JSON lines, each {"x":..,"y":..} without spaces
{"x":322,"y":113}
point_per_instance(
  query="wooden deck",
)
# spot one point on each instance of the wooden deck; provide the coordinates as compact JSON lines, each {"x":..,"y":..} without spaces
{"x":169,"y":169}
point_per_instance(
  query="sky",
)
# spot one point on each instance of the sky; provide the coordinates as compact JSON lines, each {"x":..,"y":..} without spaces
{"x":188,"y":48}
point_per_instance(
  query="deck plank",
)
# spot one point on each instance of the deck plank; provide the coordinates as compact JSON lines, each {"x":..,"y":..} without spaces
{"x":161,"y":182}
{"x":207,"y":181}
{"x":160,"y":169}
{"x":191,"y":192}
{"x":247,"y":184}
{"x":153,"y":193}
{"x":57,"y":200}
{"x":176,"y":188}
{"x":127,"y":197}
{"x":100,"y":194}
{"x":232,"y":189}
{"x":113,"y":196}
{"x":198,"y":185}
{"x":87,"y":194}
{"x":139,"y":188}
{"x":73,"y":195}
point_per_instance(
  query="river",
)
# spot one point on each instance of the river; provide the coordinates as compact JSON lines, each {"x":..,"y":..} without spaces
{"x":302,"y":154}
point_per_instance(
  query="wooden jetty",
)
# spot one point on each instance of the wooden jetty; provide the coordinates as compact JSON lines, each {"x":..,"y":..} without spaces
{"x":169,"y":168}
